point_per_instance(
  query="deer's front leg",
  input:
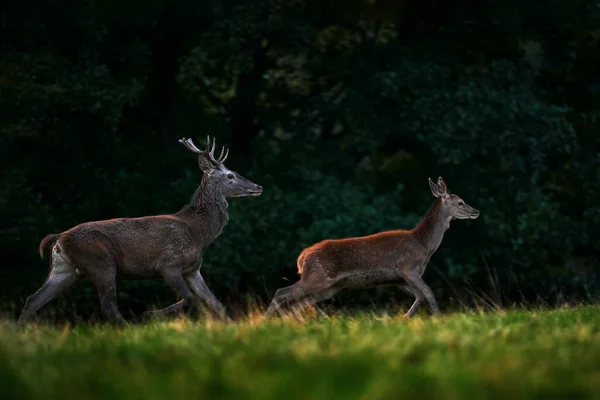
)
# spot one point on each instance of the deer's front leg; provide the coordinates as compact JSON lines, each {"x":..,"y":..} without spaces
{"x":413,"y":279}
{"x":198,"y":286}
{"x":418,"y":299}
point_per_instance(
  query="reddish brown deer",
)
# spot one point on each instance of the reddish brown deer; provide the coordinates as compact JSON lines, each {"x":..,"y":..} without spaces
{"x":161,"y":246}
{"x":385,"y":258}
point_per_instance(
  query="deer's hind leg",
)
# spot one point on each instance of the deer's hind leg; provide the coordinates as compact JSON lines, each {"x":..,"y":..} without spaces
{"x":279,"y":299}
{"x":299,"y":295}
{"x":314,"y":286}
{"x":313,"y":298}
{"x":62,"y":276}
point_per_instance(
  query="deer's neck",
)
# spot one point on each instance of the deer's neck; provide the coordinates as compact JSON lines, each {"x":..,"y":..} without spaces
{"x":430,"y":231}
{"x":208,"y":211}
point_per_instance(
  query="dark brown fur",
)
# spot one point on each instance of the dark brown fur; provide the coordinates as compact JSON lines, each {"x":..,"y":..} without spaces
{"x":391,"y":257}
{"x":167,"y":246}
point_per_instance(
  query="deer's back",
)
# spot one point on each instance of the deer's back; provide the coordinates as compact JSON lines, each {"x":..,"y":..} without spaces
{"x":139,"y":246}
{"x":378,"y":252}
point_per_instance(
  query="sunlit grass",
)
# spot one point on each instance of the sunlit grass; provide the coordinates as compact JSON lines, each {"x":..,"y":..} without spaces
{"x":515,"y":354}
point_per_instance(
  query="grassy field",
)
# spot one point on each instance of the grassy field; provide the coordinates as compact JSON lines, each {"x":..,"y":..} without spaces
{"x":516,"y":354}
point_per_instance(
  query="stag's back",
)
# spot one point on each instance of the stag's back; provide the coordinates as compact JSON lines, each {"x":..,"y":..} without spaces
{"x":139,"y":246}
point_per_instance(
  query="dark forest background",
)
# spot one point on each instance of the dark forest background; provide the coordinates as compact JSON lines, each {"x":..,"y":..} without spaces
{"x":341,"y":110}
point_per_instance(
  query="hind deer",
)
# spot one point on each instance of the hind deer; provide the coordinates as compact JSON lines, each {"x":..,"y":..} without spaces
{"x":385,"y":258}
{"x":167,"y":246}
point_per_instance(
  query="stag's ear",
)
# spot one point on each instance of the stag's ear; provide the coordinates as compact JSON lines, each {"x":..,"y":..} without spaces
{"x":205,"y":164}
{"x":442,"y":188}
{"x":434,"y":188}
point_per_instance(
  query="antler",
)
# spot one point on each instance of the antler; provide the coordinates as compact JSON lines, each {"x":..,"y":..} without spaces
{"x":222,"y":158}
{"x":189,"y":144}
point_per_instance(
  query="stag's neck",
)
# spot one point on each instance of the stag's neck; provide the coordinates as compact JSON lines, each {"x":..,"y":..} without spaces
{"x":207,"y":211}
{"x":430,"y":231}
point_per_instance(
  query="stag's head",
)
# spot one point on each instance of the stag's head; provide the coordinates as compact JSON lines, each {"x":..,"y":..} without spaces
{"x":454,"y":206}
{"x":228,"y":182}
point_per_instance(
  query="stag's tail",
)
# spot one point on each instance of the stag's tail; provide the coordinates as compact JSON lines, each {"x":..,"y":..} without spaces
{"x":49,"y":239}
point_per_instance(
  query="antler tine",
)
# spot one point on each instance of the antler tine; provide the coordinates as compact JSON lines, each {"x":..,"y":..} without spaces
{"x":221,"y":155}
{"x":223,"y":158}
{"x":211,"y":153}
{"x":212,"y":150}
{"x":189,"y":145}
{"x":192,"y":146}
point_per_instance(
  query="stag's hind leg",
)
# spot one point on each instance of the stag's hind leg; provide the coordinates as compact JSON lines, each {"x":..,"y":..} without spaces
{"x":95,"y":257}
{"x":62,"y":276}
{"x":106,"y":287}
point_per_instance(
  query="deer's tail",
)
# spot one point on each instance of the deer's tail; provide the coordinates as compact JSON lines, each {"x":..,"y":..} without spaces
{"x":49,"y":239}
{"x":304,"y":258}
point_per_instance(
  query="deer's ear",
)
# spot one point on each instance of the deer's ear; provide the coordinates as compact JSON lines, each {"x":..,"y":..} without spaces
{"x":434,"y":188}
{"x":442,"y":188}
{"x":204,"y":163}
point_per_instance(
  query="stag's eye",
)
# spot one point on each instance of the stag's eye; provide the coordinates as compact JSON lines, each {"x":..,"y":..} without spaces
{"x":461,"y":203}
{"x":230,"y":176}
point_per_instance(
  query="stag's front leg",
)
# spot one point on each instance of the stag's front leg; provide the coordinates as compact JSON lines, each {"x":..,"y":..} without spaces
{"x":173,"y":308}
{"x":198,"y":286}
{"x":175,"y":280}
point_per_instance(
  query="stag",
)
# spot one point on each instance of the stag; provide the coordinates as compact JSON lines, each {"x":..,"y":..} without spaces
{"x":167,"y":246}
{"x":397,"y":257}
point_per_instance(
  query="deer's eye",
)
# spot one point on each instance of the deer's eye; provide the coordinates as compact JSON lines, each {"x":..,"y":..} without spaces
{"x":230,"y":176}
{"x":461,"y":203}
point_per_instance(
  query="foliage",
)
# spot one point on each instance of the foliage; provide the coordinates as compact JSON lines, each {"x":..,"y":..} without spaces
{"x":341,"y":116}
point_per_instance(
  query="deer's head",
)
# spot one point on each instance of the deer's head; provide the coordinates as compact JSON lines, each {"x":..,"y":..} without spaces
{"x":229,"y":183}
{"x":453,"y":205}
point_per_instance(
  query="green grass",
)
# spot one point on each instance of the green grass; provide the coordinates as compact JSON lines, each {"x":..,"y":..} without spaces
{"x":516,"y":354}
